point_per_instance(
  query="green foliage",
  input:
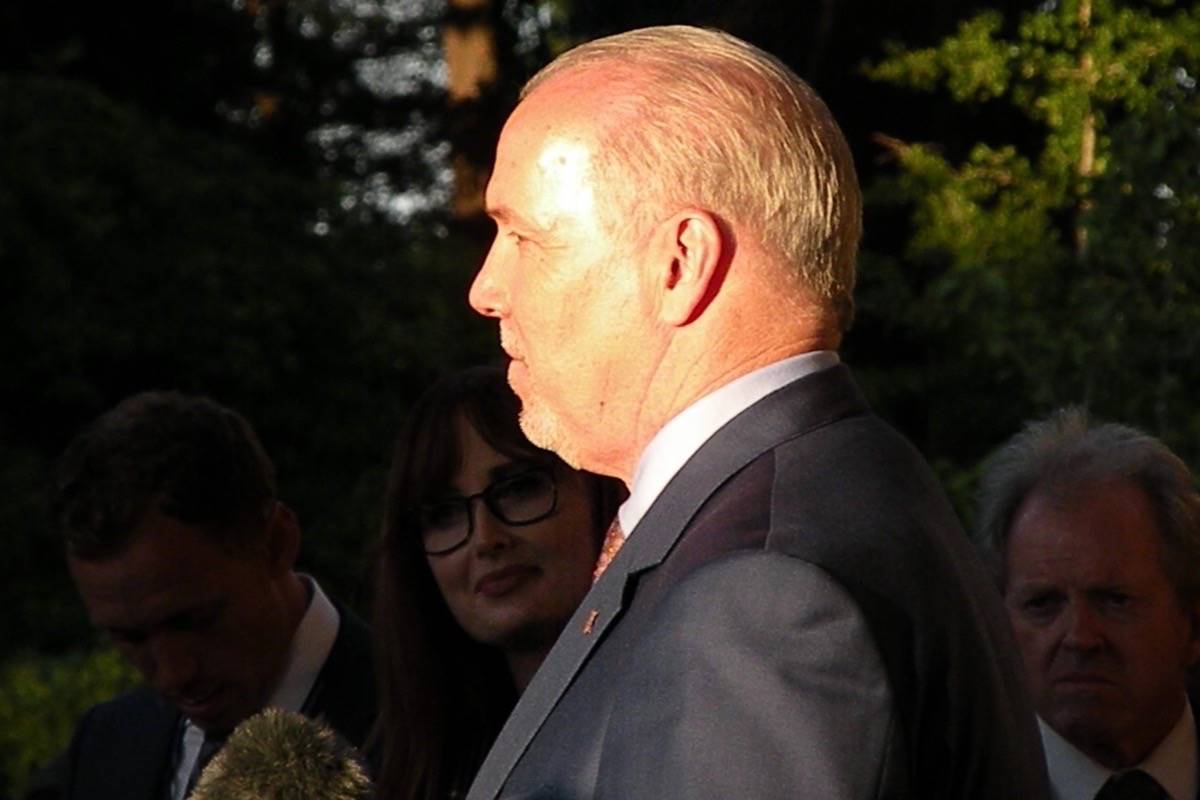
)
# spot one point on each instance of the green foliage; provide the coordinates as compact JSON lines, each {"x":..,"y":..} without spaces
{"x":1059,"y":261}
{"x":970,"y":64}
{"x":41,"y":699}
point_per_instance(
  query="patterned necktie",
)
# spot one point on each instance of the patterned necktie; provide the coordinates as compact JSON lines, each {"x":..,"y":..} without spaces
{"x":1132,"y":785}
{"x":613,"y":539}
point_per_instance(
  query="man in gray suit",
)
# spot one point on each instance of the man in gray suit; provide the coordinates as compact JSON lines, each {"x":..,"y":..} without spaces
{"x":795,"y":611}
{"x":1095,"y":531}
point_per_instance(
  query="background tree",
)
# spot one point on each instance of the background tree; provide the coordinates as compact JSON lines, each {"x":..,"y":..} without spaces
{"x":1057,"y":260}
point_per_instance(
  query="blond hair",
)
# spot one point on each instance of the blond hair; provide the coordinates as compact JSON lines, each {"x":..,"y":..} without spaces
{"x":705,"y":118}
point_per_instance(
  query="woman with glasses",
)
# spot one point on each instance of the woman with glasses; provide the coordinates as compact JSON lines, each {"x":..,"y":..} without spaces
{"x":488,"y":545}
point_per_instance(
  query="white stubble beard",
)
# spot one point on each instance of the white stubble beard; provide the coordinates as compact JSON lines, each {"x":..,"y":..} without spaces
{"x":546,"y":430}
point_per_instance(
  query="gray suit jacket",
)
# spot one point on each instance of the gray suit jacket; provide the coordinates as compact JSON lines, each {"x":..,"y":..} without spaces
{"x":798,"y":615}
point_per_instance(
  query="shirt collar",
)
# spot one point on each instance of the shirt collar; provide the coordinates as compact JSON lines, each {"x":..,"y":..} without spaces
{"x":684,"y":434}
{"x":1173,"y":763}
{"x":310,"y":647}
{"x":311,"y":644}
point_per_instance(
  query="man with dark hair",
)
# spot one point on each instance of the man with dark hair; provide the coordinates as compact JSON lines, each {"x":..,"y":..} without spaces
{"x":183,"y":555}
{"x":791,"y":608}
{"x":1095,"y":534}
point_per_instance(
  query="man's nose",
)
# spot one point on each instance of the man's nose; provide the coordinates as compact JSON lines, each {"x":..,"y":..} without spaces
{"x":1083,"y":628}
{"x":487,"y":294}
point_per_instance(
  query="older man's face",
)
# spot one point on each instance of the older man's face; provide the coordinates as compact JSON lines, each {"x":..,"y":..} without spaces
{"x":1105,"y":639}
{"x":561,"y":281}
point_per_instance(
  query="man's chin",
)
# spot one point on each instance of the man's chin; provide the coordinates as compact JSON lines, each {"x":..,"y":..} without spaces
{"x":1116,"y":743}
{"x":1086,"y":720}
{"x":218,"y":716}
{"x":546,"y":431}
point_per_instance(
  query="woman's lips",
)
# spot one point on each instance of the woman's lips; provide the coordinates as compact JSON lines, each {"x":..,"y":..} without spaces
{"x":502,"y":581}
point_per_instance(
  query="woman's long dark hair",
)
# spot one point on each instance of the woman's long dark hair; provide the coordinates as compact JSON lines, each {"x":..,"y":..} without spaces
{"x":443,"y":697}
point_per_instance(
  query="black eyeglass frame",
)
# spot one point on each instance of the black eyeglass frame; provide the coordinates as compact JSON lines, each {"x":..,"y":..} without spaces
{"x":487,"y":495}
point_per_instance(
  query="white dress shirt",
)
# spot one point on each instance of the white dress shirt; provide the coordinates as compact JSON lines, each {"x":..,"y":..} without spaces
{"x":1173,"y":763}
{"x":310,"y":646}
{"x":687,"y":431}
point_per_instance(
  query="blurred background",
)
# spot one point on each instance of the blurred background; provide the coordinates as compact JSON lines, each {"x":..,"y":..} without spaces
{"x":278,"y":203}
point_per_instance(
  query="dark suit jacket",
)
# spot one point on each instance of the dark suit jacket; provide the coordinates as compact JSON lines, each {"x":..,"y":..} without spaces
{"x":797,"y":615}
{"x":122,"y":748}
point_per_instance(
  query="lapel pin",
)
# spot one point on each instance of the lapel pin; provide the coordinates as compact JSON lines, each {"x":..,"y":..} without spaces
{"x":593,"y":615}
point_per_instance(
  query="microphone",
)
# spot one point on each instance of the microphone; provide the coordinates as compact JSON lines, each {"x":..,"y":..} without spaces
{"x":280,"y":755}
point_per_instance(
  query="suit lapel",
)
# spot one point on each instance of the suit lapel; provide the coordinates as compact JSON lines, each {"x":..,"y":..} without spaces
{"x":798,"y":407}
{"x":599,"y":609}
{"x":130,"y":755}
{"x":155,"y":751}
{"x":343,"y":695}
{"x":792,"y":411}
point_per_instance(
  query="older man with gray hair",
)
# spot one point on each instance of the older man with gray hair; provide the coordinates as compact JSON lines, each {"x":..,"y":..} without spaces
{"x":1095,"y":533}
{"x":794,"y":611}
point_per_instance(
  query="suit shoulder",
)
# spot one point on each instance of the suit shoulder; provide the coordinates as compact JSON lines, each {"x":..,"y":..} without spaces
{"x":758,"y":588}
{"x":354,"y":640}
{"x":778,"y":683}
{"x":133,"y":709}
{"x":120,"y":747}
{"x":857,"y":498}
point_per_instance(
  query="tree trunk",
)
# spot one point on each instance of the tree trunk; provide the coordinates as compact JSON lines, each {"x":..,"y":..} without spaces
{"x":472,"y":67}
{"x":1087,"y":138}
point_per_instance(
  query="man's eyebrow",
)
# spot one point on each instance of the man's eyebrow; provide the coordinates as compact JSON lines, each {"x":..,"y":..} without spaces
{"x":507,"y":216}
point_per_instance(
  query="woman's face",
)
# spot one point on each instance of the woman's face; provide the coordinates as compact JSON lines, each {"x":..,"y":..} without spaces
{"x":515,"y":586}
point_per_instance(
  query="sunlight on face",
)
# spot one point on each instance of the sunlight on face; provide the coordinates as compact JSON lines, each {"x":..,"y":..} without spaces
{"x":563,"y":281}
{"x":566,"y":169}
{"x":556,"y":190}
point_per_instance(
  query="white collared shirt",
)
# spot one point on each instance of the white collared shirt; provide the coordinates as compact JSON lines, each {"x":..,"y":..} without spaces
{"x":687,"y":431}
{"x":1173,"y":763}
{"x":310,"y":646}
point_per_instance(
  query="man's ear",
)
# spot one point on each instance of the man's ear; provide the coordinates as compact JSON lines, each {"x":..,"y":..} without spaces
{"x":692,"y":254}
{"x":283,"y":538}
